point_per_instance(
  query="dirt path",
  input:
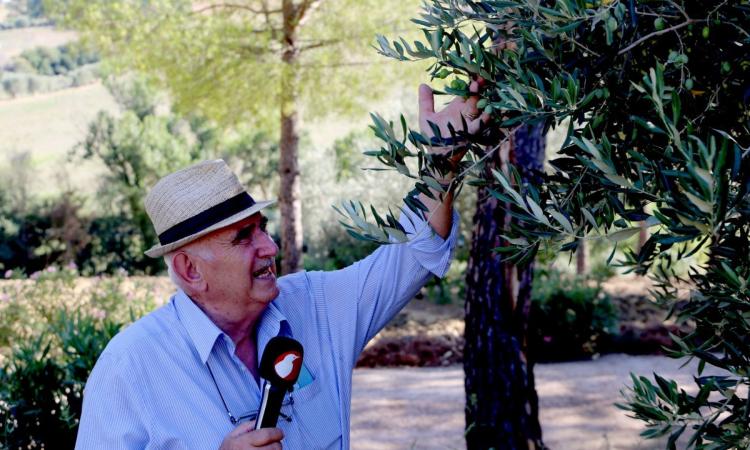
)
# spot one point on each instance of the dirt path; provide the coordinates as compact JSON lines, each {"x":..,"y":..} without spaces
{"x":422,"y":408}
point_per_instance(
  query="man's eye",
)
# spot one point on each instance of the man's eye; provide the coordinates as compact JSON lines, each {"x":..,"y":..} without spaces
{"x":263,"y":224}
{"x":243,"y":234}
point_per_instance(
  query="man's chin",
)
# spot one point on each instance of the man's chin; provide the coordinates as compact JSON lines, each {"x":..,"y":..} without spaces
{"x":272,"y":295}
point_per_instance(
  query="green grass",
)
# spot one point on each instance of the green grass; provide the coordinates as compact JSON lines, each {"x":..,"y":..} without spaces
{"x":48,"y":126}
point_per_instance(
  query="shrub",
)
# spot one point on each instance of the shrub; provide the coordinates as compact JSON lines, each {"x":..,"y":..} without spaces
{"x":56,"y":232}
{"x":57,"y":326}
{"x":55,"y":61}
{"x":571,"y":317}
{"x":42,"y":395}
{"x":116,"y":243}
{"x":15,"y":86}
{"x":85,"y":75}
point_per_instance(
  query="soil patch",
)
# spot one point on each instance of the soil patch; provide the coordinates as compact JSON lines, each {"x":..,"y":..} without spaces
{"x":424,"y":334}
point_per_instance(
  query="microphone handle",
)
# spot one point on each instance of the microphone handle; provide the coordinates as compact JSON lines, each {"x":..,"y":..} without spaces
{"x":270,"y":406}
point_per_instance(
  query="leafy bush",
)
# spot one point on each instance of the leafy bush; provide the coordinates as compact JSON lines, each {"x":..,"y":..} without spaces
{"x":116,"y":244}
{"x":55,"y":61}
{"x":17,"y":84}
{"x":42,"y":395}
{"x":52,"y":329}
{"x":56,"y":232}
{"x":571,"y":317}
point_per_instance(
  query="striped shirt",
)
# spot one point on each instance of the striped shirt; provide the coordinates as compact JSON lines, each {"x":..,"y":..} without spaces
{"x":152,"y":389}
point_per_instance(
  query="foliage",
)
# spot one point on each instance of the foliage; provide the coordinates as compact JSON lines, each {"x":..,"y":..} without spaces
{"x":24,"y":13}
{"x":52,"y":329}
{"x":19,"y":84}
{"x":570,"y":318}
{"x":224,"y":60}
{"x":331,"y":174}
{"x":235,"y":62}
{"x":54,"y":61}
{"x":57,"y":232}
{"x":657,"y":93}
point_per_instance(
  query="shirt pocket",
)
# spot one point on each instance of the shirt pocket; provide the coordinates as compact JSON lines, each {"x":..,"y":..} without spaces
{"x":317,"y":416}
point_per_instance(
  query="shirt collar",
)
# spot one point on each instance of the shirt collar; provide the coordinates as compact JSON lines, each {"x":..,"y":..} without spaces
{"x":204,"y":333}
{"x":272,"y":323}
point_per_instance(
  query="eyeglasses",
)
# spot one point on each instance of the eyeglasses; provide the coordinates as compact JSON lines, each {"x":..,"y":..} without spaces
{"x":248,"y":415}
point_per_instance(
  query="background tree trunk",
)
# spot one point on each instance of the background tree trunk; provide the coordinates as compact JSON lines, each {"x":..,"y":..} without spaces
{"x":501,"y":401}
{"x":290,"y":205}
{"x":581,"y":257}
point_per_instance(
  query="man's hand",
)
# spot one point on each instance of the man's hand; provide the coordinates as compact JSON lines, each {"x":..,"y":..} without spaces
{"x":245,"y":437}
{"x":458,"y":112}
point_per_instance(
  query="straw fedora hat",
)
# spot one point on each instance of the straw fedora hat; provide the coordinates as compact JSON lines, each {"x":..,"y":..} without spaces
{"x":192,"y":202}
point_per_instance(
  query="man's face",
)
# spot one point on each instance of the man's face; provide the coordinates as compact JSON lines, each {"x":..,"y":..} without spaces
{"x":239,"y":267}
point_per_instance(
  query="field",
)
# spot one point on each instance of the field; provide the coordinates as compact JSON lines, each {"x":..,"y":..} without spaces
{"x":48,"y":126}
{"x":15,"y":41}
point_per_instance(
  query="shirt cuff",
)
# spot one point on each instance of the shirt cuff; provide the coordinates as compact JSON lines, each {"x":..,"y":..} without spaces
{"x":432,"y":251}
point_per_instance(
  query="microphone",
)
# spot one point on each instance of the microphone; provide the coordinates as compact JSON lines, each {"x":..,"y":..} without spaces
{"x":280,"y":366}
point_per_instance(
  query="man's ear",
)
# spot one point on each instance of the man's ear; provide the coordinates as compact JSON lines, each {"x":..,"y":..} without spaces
{"x":184,"y":266}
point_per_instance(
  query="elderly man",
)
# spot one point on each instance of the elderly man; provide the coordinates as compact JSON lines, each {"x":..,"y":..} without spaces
{"x":186,"y":375}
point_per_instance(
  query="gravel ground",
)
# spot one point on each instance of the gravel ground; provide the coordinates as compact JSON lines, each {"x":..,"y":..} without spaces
{"x":422,"y":408}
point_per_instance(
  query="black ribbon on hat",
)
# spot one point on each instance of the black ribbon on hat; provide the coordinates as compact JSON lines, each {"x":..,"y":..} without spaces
{"x":205,"y":219}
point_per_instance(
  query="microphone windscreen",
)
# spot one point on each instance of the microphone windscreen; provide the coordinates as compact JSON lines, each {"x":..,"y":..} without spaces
{"x":281,"y":361}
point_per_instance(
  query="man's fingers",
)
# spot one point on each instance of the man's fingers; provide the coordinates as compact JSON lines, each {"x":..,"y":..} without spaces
{"x":469,"y":109}
{"x":265,"y":436}
{"x":474,"y":87}
{"x":426,"y":100}
{"x":274,"y":446}
{"x":244,"y":427}
{"x":476,"y":124}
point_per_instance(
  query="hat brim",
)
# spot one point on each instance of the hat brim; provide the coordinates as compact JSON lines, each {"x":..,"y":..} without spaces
{"x":161,"y":250}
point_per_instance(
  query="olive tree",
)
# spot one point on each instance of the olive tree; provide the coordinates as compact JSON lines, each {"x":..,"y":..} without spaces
{"x":656,"y":99}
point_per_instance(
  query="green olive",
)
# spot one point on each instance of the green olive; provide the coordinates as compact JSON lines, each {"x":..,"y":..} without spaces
{"x":612,"y":24}
{"x":458,"y":84}
{"x":705,"y":32}
{"x":443,"y":73}
{"x":689,"y":83}
{"x":659,"y":24}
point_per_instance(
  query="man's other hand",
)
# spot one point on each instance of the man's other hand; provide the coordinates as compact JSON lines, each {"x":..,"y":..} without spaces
{"x":246,"y":437}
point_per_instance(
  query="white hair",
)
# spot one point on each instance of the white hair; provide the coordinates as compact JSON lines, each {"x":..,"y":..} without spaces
{"x":176,"y":280}
{"x":195,"y":248}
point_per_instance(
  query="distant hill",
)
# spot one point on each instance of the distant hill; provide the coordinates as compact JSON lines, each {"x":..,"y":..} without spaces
{"x":48,"y":126}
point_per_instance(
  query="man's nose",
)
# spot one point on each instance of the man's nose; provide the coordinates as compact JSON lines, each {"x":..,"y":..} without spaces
{"x":268,"y":248}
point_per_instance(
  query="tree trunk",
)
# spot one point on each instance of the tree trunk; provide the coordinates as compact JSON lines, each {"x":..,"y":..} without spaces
{"x":581,"y":257}
{"x":501,"y":401}
{"x":290,"y":204}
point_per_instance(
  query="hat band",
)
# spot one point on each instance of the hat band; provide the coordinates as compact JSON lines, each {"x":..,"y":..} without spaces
{"x":205,"y":219}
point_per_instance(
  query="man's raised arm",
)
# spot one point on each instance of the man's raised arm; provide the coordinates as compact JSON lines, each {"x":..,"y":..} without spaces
{"x":458,"y":112}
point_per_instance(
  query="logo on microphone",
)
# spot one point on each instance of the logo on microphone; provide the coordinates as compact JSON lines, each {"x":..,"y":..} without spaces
{"x":287,"y":365}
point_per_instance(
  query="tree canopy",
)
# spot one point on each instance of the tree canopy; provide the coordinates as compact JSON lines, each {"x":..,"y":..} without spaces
{"x":223,"y":59}
{"x":657,"y":98}
{"x":260,"y":63}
